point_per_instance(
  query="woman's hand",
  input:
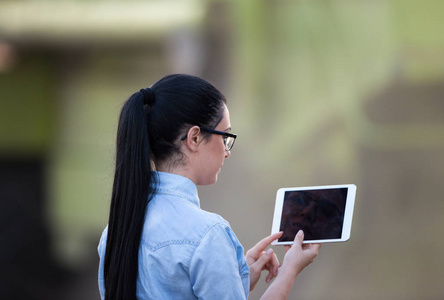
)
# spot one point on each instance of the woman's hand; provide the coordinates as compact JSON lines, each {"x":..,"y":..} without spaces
{"x":299,"y":256}
{"x":258,"y":260}
{"x":296,"y":258}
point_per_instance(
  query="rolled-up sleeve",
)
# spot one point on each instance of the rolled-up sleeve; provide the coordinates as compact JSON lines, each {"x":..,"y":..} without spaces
{"x":218,"y":268}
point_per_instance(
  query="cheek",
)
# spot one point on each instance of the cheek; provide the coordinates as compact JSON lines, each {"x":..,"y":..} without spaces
{"x":220,"y":151}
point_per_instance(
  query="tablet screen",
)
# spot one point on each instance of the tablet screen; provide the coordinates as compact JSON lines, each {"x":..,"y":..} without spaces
{"x":320,"y":212}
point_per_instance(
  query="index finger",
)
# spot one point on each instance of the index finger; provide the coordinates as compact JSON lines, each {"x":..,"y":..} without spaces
{"x":262,"y":244}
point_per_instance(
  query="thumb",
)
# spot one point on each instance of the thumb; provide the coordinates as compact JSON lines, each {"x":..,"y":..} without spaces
{"x":263,"y":260}
{"x":299,"y":238}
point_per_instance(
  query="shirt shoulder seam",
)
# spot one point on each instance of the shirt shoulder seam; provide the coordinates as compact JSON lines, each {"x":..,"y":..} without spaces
{"x":187,"y":265}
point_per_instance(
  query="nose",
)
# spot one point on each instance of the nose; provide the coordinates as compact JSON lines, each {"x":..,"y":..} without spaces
{"x":227,"y":153}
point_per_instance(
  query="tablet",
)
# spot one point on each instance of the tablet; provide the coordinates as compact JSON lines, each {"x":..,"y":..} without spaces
{"x":324,"y":213}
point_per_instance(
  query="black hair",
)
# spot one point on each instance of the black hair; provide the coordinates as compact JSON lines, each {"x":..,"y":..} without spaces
{"x":148,"y":133}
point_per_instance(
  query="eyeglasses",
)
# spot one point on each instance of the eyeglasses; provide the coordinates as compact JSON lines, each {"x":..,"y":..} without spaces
{"x":229,"y":138}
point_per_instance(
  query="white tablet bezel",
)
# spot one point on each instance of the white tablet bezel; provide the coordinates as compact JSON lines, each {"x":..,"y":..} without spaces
{"x":348,"y":213}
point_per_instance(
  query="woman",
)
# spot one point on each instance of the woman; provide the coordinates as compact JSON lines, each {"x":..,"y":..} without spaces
{"x":158,"y":243}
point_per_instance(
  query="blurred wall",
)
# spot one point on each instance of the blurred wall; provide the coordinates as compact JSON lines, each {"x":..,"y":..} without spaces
{"x":333,"y":92}
{"x":320,"y":92}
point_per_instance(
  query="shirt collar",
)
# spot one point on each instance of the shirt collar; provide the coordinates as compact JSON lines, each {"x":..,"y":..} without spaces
{"x":168,"y":183}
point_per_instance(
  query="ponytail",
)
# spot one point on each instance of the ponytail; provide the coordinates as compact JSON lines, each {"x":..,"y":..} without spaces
{"x":131,"y":193}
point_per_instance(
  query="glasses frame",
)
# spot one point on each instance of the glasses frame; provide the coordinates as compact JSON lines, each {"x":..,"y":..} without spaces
{"x":222,"y":133}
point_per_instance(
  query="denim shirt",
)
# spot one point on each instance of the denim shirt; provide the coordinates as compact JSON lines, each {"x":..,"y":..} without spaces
{"x":185,"y":252}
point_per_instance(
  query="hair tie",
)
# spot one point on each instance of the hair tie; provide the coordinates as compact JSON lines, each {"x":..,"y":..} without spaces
{"x":148,"y":96}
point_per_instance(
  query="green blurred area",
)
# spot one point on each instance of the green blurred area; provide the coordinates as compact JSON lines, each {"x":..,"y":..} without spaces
{"x":320,"y":92}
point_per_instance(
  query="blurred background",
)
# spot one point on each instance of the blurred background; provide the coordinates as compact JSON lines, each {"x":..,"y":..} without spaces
{"x":320,"y":92}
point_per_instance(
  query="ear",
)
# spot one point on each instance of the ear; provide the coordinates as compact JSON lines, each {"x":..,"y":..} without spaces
{"x":193,"y":138}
